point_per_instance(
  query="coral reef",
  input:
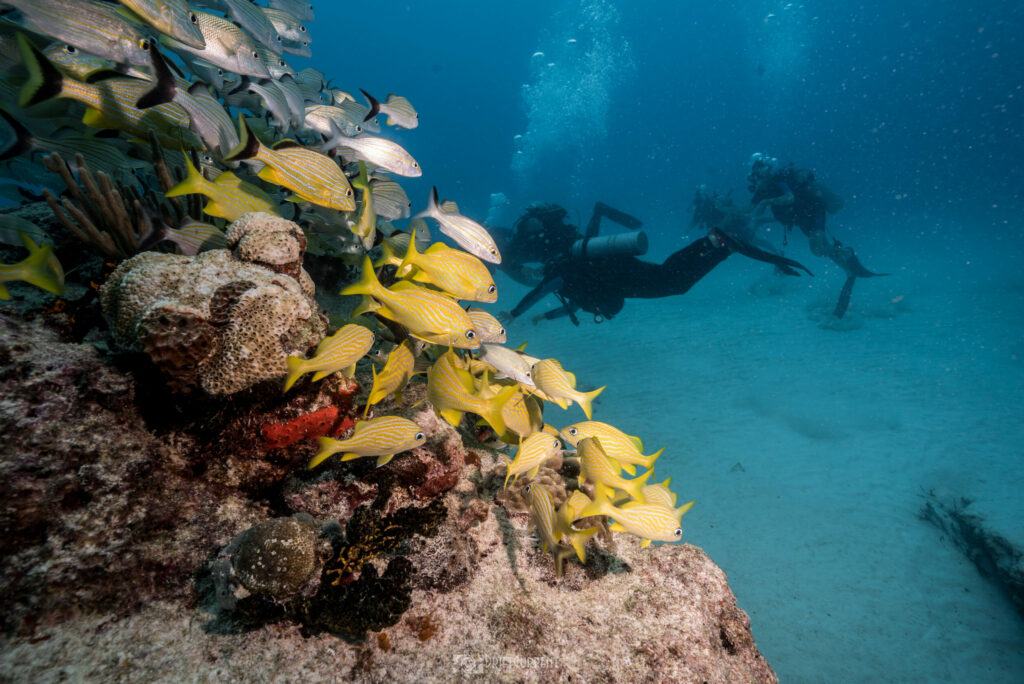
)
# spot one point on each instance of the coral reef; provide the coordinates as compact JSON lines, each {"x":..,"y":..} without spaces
{"x":221,"y":321}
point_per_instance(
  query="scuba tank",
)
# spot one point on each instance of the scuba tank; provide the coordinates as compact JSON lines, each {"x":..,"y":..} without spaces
{"x":625,"y":244}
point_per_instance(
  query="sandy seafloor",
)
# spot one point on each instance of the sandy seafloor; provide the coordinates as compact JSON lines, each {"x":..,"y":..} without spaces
{"x":808,"y":450}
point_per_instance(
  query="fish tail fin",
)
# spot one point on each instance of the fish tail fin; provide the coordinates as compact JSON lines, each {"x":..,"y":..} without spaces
{"x":296,"y":369}
{"x":494,"y":405}
{"x":327,"y":449}
{"x":409,"y":260}
{"x":37,"y":270}
{"x":586,"y":401}
{"x":433,"y":205}
{"x":166,"y":86}
{"x":193,"y":184}
{"x":22,"y":137}
{"x":579,"y":539}
{"x":388,"y":257}
{"x":600,"y":505}
{"x":367,"y":283}
{"x":636,"y":487}
{"x":248,"y":145}
{"x":374,"y":105}
{"x":649,"y":460}
{"x":45,"y":81}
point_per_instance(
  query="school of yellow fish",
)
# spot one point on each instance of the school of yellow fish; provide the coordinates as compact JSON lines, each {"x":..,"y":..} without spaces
{"x":209,"y":81}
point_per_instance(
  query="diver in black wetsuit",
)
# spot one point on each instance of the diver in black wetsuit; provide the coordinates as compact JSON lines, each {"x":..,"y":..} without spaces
{"x":597,"y":274}
{"x":796,"y":199}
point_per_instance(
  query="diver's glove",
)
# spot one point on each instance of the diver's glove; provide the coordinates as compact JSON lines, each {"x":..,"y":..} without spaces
{"x":787,"y":266}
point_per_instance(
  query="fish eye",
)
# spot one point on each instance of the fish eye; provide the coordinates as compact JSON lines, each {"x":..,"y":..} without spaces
{"x":348,"y":192}
{"x":70,"y":49}
{"x":420,"y":435}
{"x":302,"y":29}
{"x":491,"y":289}
{"x":527,"y":490}
{"x":193,"y":18}
{"x":678,"y":533}
{"x":501,"y":331}
{"x":574,"y":431}
{"x":145,"y":44}
{"x":256,"y":54}
{"x":470,"y":334}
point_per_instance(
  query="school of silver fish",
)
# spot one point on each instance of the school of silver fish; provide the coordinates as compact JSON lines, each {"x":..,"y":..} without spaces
{"x":209,"y":81}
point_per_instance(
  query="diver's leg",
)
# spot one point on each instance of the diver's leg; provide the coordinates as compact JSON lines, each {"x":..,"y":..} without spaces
{"x":680,"y":271}
{"x":787,"y":266}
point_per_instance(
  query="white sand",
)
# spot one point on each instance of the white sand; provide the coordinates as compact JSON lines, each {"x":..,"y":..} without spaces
{"x":838,"y":433}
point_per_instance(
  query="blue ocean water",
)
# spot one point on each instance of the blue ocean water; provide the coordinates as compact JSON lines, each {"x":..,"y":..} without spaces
{"x":808,"y":449}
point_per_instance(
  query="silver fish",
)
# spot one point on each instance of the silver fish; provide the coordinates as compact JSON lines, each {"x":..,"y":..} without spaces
{"x":300,"y":9}
{"x":227,"y":46}
{"x":384,"y":153}
{"x":173,"y":17}
{"x":466,"y":232}
{"x":287,"y":25}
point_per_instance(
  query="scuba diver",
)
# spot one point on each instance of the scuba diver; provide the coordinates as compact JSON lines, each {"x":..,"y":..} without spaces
{"x":597,"y":274}
{"x":711,"y":210}
{"x":797,"y":199}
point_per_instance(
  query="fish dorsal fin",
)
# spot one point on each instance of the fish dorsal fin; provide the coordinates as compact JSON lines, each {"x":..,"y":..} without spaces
{"x":571,"y":378}
{"x":449,"y":207}
{"x":522,"y":347}
{"x":637,"y":443}
{"x":285,"y":144}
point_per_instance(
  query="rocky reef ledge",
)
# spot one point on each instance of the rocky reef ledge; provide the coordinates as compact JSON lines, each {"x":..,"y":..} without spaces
{"x":118,"y":505}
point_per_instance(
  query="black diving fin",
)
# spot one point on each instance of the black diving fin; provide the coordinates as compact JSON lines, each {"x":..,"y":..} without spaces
{"x":787,"y":266}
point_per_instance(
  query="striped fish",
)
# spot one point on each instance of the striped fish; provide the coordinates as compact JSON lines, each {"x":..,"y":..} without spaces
{"x":110,"y":103}
{"x":339,"y":352}
{"x":509,"y":363}
{"x":523,"y":415}
{"x":287,"y":25}
{"x":429,"y":316}
{"x":94,"y":27}
{"x":12,"y":227}
{"x":451,"y":391}
{"x":227,"y":46}
{"x":291,"y":47}
{"x":80,"y":65}
{"x":398,"y":110}
{"x":625,"y":449}
{"x":365,"y":226}
{"x":453,"y":271}
{"x":325,"y":120}
{"x":193,"y":237}
{"x":569,"y":512}
{"x":276,"y":64}
{"x":300,"y":9}
{"x":533,"y":452}
{"x":659,"y":493}
{"x":596,"y":467}
{"x":385,"y":153}
{"x":391,"y":201}
{"x":466,"y":232}
{"x":250,"y":17}
{"x":230,"y":197}
{"x":545,"y":518}
{"x":488,"y":328}
{"x":393,"y":377}
{"x":381,"y":437}
{"x":560,"y":387}
{"x":356,"y":114}
{"x":173,"y":17}
{"x":312,"y":176}
{"x":649,"y":521}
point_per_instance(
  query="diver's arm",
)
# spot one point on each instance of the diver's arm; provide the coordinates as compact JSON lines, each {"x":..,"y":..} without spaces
{"x":784,"y":199}
{"x":532,"y":297}
{"x":567,"y":309}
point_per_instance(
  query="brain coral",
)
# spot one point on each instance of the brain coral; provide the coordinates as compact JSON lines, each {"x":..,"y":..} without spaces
{"x":222,"y":320}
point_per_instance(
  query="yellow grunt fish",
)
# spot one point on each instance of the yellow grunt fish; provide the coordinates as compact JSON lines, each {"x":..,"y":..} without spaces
{"x":545,"y":519}
{"x":488,"y":328}
{"x":313,"y":177}
{"x":339,"y":352}
{"x":649,"y":521}
{"x":429,"y":316}
{"x":623,"y":448}
{"x":393,"y":377}
{"x":451,"y":391}
{"x":457,"y":273}
{"x":381,"y":437}
{"x":230,"y":197}
{"x":597,"y":468}
{"x":569,"y":512}
{"x":659,"y":493}
{"x":533,"y":452}
{"x":192,"y":236}
{"x":365,"y":227}
{"x":560,"y":386}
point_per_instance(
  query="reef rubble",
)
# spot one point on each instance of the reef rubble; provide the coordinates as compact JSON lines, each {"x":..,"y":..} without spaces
{"x":114,"y":518}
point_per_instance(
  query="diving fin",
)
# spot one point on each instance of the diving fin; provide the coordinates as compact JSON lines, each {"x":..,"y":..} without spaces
{"x":787,"y":266}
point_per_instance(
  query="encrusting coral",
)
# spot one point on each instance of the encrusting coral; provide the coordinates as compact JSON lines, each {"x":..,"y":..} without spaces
{"x":222,"y":320}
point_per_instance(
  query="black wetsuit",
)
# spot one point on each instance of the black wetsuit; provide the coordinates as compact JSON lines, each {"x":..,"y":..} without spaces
{"x":601,"y":286}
